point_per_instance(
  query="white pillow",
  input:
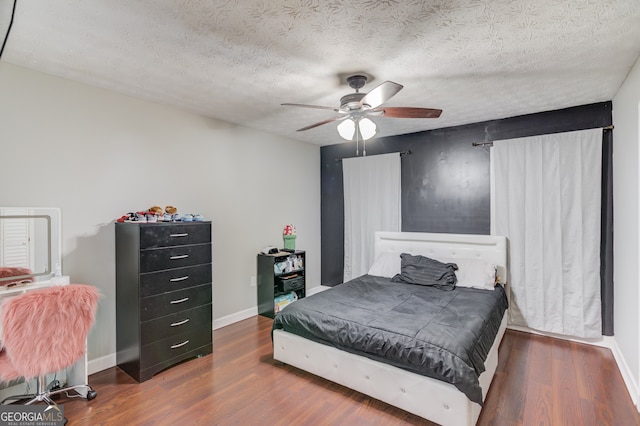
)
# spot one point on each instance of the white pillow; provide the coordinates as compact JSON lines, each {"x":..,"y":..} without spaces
{"x":386,"y":265}
{"x":475,"y":273}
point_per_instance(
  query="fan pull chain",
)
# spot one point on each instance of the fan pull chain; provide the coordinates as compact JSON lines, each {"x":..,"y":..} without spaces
{"x":364,"y":142}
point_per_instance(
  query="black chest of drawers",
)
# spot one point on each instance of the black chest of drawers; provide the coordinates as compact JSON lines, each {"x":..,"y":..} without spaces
{"x":163,"y":295}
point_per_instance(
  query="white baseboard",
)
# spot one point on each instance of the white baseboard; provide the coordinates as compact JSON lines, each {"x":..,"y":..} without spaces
{"x":99,"y":364}
{"x":598,"y":341}
{"x":102,"y":363}
{"x":108,"y":361}
{"x":251,"y":312}
{"x":608,"y":342}
{"x":632,"y":386}
{"x":233,"y":318}
{"x":317,"y":289}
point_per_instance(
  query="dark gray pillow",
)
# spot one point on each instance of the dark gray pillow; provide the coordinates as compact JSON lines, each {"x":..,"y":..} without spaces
{"x":422,"y":270}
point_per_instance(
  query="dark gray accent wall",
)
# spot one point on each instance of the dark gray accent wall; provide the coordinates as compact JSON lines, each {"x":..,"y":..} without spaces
{"x":445,"y":180}
{"x":606,"y":234}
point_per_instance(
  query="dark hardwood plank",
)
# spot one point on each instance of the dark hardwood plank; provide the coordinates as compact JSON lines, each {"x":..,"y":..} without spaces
{"x":566,"y":383}
{"x":567,"y":409}
{"x":539,"y":404}
{"x":510,"y":395}
{"x":539,"y":380}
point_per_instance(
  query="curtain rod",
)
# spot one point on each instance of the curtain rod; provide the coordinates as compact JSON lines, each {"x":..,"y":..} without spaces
{"x":490,"y":144}
{"x":402,"y":154}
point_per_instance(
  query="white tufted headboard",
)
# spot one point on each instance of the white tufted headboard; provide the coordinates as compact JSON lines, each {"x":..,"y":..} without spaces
{"x":447,"y":247}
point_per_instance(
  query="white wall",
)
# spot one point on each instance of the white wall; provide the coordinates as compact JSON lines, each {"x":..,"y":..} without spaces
{"x":97,"y":155}
{"x":626,"y":180}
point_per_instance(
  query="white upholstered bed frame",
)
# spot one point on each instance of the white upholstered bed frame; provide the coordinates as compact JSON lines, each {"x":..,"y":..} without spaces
{"x":431,"y":399}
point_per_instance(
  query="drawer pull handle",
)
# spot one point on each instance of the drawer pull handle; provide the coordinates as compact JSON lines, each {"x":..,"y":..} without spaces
{"x":175,"y":302}
{"x":174,"y":280}
{"x":175,"y":324}
{"x":179,"y":345}
{"x":178,"y":235}
{"x":180,"y":256}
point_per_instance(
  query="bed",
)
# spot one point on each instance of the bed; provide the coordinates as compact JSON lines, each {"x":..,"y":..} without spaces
{"x":443,"y":381}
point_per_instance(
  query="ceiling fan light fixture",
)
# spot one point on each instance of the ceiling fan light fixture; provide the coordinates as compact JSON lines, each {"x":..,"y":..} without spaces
{"x":354,"y":107}
{"x":367,"y":128}
{"x":347,"y":129}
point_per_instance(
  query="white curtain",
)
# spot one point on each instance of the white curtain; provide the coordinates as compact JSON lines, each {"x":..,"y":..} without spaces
{"x":547,"y":202}
{"x":371,"y":203}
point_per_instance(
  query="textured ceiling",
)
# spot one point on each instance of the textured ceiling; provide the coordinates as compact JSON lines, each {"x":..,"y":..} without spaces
{"x":239,"y":60}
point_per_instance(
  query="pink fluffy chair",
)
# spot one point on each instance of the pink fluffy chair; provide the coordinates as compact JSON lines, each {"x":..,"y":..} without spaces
{"x":44,"y":331}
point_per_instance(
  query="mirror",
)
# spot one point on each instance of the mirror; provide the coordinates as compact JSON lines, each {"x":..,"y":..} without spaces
{"x":30,"y":245}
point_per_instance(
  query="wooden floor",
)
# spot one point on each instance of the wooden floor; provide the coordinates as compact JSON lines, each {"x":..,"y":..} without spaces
{"x":540,"y":380}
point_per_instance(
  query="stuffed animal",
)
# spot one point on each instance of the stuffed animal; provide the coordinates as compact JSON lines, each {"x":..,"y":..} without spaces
{"x":157,"y":210}
{"x":171,"y":210}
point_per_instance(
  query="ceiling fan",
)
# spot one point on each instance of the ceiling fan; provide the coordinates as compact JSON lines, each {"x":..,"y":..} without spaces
{"x":357,"y":107}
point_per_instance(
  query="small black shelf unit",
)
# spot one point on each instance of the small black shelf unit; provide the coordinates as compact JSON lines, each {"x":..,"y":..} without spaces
{"x":278,"y":275}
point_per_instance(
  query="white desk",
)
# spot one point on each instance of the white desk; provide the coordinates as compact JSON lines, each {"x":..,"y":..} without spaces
{"x":75,"y":375}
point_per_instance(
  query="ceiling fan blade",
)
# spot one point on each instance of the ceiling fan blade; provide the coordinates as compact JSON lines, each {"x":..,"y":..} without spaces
{"x":321,"y":123}
{"x":409,"y":112}
{"x":381,"y":94}
{"x":311,"y":106}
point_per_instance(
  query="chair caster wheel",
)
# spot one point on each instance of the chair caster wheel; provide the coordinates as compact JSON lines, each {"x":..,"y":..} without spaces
{"x":91,"y":394}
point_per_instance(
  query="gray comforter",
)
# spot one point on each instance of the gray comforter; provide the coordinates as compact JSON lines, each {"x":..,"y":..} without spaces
{"x":445,"y":335}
